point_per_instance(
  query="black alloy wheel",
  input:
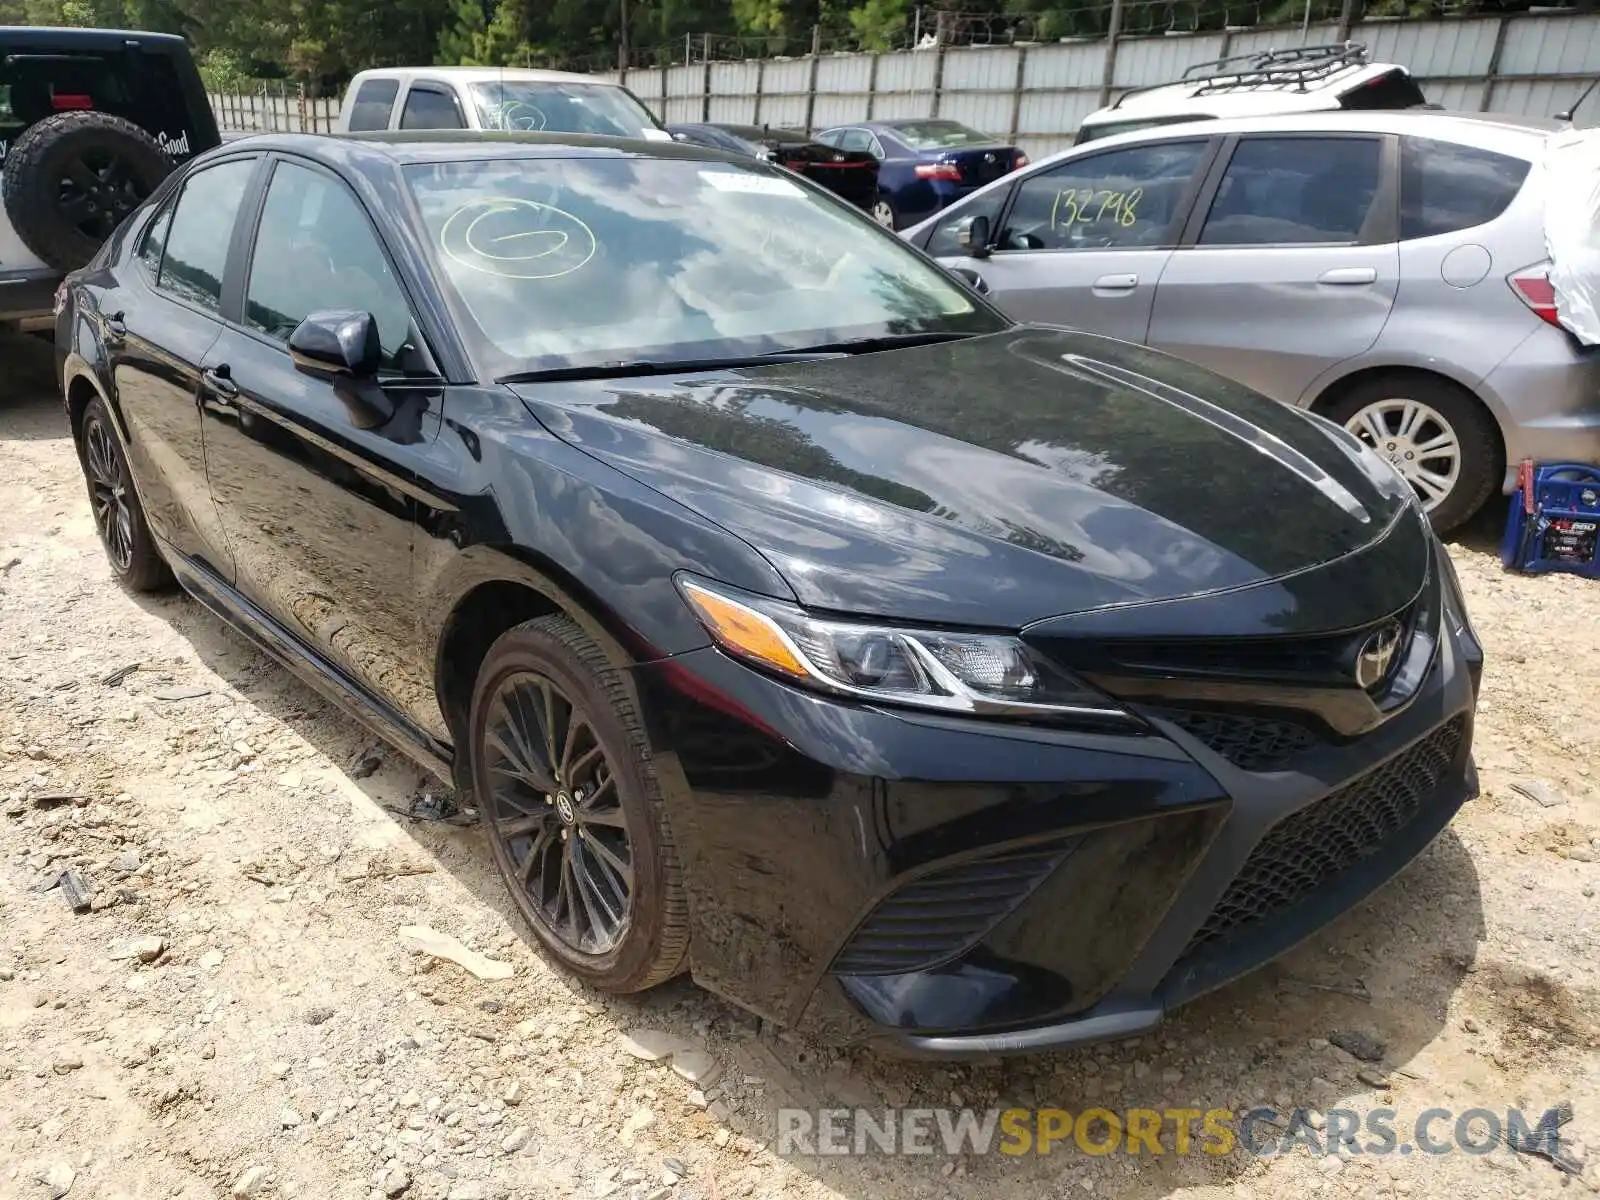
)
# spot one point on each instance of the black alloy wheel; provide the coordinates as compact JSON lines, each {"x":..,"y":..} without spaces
{"x":568,"y":796}
{"x":555,"y":807}
{"x":98,"y":188}
{"x":118,"y":517}
{"x":108,"y":493}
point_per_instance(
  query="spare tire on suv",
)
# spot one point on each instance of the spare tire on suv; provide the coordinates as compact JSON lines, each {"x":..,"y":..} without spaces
{"x":70,"y":180}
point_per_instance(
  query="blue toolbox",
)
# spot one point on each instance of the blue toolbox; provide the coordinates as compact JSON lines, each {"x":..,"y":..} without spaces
{"x":1555,"y":515}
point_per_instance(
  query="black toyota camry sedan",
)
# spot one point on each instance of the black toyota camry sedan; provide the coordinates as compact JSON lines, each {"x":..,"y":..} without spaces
{"x":789,"y":616}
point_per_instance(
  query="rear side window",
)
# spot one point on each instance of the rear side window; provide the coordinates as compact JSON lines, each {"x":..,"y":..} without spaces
{"x":373,"y":104}
{"x":139,"y":86}
{"x":202,"y":227}
{"x":1295,"y":191}
{"x":1445,"y":188}
{"x":429,"y":108}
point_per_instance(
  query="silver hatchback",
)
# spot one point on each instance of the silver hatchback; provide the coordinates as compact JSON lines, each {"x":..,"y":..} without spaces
{"x":1385,"y":269}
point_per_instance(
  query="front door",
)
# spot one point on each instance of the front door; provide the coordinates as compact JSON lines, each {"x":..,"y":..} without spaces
{"x":313,"y":478}
{"x":1082,"y":244}
{"x":157,"y":342}
{"x":1295,"y":267}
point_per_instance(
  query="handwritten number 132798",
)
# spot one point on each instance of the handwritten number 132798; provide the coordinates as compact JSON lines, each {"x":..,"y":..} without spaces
{"x":1088,"y":206}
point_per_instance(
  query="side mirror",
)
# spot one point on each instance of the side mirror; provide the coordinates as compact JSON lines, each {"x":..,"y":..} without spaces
{"x":975,"y":281}
{"x":972,"y":235}
{"x":337,"y":343}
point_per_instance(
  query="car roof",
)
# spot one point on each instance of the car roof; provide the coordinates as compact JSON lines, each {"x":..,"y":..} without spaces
{"x":436,"y":146}
{"x":1489,"y":131}
{"x":482,"y":74}
{"x":84,"y":39}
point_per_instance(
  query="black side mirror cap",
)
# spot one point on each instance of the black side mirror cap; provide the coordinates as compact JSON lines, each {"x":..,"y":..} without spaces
{"x":972,"y":235}
{"x":337,"y":343}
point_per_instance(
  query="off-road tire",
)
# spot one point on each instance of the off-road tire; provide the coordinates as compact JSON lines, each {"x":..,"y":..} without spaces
{"x":37,"y":168}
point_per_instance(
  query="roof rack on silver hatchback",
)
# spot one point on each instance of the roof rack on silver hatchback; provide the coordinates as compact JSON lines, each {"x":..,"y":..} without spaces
{"x":1294,"y":67}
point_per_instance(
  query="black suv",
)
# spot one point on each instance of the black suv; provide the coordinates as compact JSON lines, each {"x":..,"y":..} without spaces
{"x":91,"y":121}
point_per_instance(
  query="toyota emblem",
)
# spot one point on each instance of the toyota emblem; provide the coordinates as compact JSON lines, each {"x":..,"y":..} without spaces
{"x":988,"y":158}
{"x":1377,"y":655}
{"x":838,"y":158}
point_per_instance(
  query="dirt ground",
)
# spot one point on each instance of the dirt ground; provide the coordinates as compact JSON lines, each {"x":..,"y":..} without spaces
{"x":281,"y":1041}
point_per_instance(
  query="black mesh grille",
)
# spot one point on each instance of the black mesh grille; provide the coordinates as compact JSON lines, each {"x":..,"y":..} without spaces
{"x":933,"y":919}
{"x":1311,"y":847}
{"x":1249,"y":743}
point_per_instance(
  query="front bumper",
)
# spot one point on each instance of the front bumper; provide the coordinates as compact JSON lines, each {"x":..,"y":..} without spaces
{"x":951,"y":887}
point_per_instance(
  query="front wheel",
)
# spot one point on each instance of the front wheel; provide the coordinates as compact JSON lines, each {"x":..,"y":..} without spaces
{"x":1439,"y":438}
{"x":569,"y":798}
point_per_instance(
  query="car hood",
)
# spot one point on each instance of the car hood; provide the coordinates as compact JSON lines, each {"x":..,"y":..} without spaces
{"x":997,"y":480}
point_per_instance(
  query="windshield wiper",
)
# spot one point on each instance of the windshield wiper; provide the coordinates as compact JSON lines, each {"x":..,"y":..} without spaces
{"x":889,"y":341}
{"x":622,"y":368}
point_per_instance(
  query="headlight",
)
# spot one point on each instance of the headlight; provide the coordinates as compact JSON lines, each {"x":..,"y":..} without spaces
{"x":989,"y":674}
{"x":1455,"y":604}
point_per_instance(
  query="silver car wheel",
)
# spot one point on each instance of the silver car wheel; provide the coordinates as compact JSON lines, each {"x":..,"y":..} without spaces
{"x":1417,"y":441}
{"x":883,"y":214}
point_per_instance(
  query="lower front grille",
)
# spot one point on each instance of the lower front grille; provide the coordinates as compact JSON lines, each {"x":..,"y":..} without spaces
{"x":1310,"y":848}
{"x":939,"y":916}
{"x":1248,"y":742}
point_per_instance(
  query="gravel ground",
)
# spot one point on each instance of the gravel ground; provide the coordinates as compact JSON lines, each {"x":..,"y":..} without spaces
{"x":238,"y":1014}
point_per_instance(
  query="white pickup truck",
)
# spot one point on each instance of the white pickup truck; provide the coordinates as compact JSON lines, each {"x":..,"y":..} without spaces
{"x":498,"y":98}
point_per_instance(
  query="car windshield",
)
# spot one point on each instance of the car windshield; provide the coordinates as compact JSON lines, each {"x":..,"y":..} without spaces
{"x":559,"y":106}
{"x":940,"y":135}
{"x":596,"y":260}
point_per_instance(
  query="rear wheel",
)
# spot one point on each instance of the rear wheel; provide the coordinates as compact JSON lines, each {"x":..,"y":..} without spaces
{"x":569,"y":798}
{"x":130,"y":547}
{"x":1440,"y":439}
{"x":883,"y":212}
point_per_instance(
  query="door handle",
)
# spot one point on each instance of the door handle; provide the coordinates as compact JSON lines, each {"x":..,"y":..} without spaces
{"x":219,"y":380}
{"x":1116,"y":283}
{"x":1348,"y":276}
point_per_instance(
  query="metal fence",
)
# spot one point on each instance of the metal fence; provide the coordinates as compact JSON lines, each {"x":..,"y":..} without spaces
{"x":275,"y":107}
{"x":1035,"y":95}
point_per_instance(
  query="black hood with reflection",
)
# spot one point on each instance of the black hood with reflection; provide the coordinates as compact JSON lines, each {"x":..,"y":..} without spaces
{"x":996,"y":480}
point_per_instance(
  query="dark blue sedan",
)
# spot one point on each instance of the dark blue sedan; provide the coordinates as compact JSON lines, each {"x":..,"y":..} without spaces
{"x":924,"y":164}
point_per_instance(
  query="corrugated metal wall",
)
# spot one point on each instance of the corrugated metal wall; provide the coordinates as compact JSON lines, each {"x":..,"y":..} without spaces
{"x":1530,"y":64}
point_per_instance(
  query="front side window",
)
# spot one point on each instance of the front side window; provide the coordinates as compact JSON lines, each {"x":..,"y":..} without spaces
{"x":942,"y":242}
{"x":940,"y":135}
{"x":1122,"y":198}
{"x":202,"y":226}
{"x":316,"y":252}
{"x":1445,"y":188}
{"x":1295,"y":191}
{"x":562,"y":107}
{"x":431,"y":108}
{"x":584,"y":260}
{"x":373,"y":105}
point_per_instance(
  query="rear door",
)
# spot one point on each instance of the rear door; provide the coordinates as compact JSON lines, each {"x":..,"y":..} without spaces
{"x":158,"y":324}
{"x":1290,"y":264}
{"x":1082,"y":243}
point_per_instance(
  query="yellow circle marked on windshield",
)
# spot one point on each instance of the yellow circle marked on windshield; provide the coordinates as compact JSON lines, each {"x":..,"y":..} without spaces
{"x":517,"y":239}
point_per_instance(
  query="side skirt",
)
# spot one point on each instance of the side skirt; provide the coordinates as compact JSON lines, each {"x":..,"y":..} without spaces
{"x":226,"y":602}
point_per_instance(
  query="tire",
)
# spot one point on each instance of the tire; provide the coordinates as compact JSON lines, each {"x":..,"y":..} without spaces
{"x":884,"y":213}
{"x":1381,"y":403}
{"x":72,"y":178}
{"x":118,"y":517}
{"x":605,"y":805}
